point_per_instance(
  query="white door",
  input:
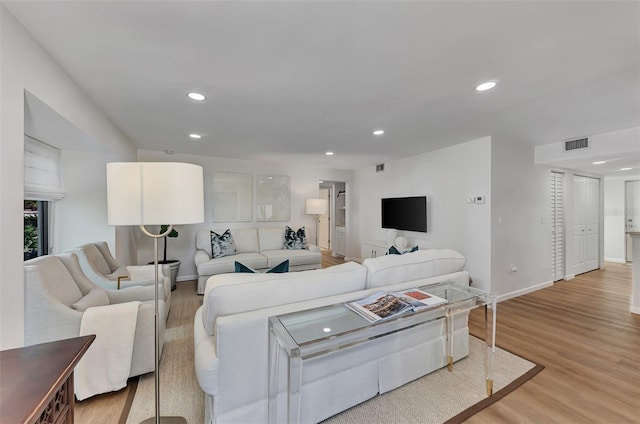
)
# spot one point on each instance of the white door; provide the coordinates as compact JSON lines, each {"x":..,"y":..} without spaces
{"x":557,"y":225}
{"x":586,"y":224}
{"x":324,"y":240}
{"x":631,"y":213}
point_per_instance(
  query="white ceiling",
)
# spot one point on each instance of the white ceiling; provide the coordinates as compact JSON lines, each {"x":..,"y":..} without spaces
{"x":291,"y":80}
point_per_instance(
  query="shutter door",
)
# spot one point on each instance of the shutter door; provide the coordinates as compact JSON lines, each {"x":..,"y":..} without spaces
{"x":557,"y":225}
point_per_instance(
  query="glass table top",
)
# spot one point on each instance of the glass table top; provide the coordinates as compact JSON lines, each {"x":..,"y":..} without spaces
{"x":329,"y":321}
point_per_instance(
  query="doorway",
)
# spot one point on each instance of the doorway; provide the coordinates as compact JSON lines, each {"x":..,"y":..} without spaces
{"x":324,"y":227}
{"x":631,"y":214}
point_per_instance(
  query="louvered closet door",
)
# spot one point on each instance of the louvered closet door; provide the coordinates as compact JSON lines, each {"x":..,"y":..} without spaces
{"x":557,"y":225}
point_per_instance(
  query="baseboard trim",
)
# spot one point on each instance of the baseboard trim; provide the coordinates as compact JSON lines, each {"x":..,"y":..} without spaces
{"x":634,"y":309}
{"x":569,"y":277}
{"x":526,"y":290}
{"x":616,"y":260}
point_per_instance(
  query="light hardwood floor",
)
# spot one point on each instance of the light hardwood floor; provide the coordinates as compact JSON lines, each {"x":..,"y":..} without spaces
{"x":580,"y":330}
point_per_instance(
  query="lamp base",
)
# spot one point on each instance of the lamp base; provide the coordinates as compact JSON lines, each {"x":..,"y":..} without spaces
{"x":165,"y":420}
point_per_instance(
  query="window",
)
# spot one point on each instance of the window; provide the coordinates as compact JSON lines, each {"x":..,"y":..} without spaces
{"x":36,"y":228}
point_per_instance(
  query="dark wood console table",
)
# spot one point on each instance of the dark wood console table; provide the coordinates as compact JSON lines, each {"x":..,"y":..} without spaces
{"x":36,"y":382}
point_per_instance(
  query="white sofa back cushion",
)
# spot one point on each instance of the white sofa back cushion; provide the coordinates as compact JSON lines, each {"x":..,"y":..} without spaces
{"x":392,"y":269}
{"x":203,"y":241}
{"x":228,"y":294}
{"x":246,"y":240}
{"x":271,"y":238}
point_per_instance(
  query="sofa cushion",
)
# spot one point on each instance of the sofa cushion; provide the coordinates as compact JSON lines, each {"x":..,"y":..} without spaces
{"x":246,"y":240}
{"x":226,"y":263}
{"x":96,"y":297}
{"x":281,"y":267}
{"x":296,"y":257}
{"x":203,"y":241}
{"x":271,"y":238}
{"x":234,"y":293}
{"x":294,"y":239}
{"x":222,"y":244}
{"x":143,"y":272}
{"x":392,"y":269}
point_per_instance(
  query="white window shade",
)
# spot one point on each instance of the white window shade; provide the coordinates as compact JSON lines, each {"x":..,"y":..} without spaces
{"x":42,"y":173}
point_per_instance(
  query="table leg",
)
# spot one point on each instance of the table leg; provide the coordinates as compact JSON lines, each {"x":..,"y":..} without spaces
{"x":490,"y":340}
{"x":295,"y":382}
{"x":274,"y":359}
{"x":449,"y":341}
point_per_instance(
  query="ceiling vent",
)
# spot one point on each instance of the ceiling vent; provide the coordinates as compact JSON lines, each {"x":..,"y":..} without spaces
{"x":581,"y":143}
{"x":380,"y":167}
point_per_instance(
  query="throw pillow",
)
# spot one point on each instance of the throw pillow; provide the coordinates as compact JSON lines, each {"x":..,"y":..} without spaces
{"x":222,"y":245}
{"x":295,"y":240}
{"x":280,"y":268}
{"x":394,"y":251}
{"x":96,"y":297}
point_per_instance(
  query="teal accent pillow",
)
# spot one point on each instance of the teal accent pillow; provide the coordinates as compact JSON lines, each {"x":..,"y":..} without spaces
{"x":278,"y":269}
{"x":394,"y":251}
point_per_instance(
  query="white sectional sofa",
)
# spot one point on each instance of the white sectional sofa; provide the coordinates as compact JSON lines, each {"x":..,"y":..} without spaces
{"x":231,"y":336}
{"x":258,"y":248}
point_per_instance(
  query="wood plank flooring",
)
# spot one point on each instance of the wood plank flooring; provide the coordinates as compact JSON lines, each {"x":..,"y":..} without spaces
{"x":580,"y":330}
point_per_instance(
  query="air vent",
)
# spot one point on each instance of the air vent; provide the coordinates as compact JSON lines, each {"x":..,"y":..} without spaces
{"x":380,"y":167}
{"x":581,"y":143}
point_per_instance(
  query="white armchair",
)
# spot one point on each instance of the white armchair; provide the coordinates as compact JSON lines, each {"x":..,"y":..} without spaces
{"x":57,"y":294}
{"x":99,"y":265}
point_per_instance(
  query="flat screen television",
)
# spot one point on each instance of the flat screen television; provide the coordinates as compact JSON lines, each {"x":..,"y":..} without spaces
{"x":405,"y":213}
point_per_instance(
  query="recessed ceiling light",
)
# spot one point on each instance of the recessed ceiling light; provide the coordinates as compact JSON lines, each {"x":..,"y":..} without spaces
{"x":625,"y":169}
{"x":320,"y":181}
{"x":486,"y":86}
{"x":196,"y":136}
{"x":196,"y":96}
{"x":599,"y":162}
{"x":329,"y":153}
{"x":378,"y":132}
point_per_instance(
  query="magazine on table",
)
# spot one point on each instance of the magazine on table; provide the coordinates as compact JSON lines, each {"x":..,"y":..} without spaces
{"x":384,"y":305}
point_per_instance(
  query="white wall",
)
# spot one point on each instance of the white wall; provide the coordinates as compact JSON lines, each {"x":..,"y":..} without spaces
{"x":520,"y":221}
{"x":447,"y":176}
{"x":24,"y":65}
{"x":304,"y":185}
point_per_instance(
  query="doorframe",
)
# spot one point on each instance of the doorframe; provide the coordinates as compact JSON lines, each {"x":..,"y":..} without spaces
{"x":626,"y":254}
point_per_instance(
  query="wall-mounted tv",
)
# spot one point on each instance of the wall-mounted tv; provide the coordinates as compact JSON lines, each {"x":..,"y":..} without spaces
{"x":405,"y":213}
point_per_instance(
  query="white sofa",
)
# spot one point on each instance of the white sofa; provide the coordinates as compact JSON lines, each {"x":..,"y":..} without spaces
{"x":257,"y":248}
{"x":231,"y":336}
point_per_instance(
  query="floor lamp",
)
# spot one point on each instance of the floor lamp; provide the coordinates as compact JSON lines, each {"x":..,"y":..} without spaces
{"x":155,"y":193}
{"x":316,"y":207}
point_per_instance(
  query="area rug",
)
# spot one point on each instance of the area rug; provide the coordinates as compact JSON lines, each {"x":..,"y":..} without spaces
{"x":443,"y":396}
{"x":440,"y":397}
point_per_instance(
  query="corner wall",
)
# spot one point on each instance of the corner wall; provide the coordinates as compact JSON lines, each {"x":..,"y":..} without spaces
{"x":520,"y":220}
{"x":25,"y":65}
{"x":448,"y":177}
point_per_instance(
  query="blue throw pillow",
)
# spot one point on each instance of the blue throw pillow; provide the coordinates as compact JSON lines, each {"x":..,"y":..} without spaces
{"x":394,"y":251}
{"x":280,"y":268}
{"x":222,"y":245}
{"x":295,"y":239}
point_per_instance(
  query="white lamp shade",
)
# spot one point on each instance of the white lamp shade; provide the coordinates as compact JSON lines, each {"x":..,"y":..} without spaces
{"x":316,"y":206}
{"x":154,"y":193}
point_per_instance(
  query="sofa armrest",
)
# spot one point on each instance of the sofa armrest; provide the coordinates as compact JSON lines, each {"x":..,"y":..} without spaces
{"x":201,"y":257}
{"x":312,"y":247}
{"x":130,"y":294}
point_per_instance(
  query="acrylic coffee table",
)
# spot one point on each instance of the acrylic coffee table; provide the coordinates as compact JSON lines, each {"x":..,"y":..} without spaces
{"x":317,"y":331}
